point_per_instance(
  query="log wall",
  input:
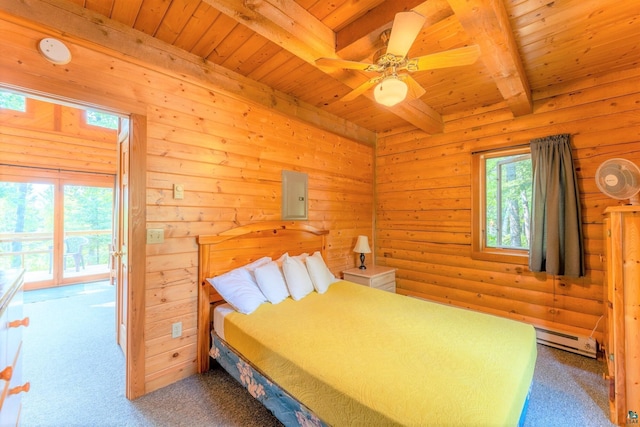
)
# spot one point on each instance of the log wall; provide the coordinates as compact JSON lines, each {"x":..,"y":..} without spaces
{"x":228,"y":152}
{"x":56,"y":136}
{"x":423,"y":202}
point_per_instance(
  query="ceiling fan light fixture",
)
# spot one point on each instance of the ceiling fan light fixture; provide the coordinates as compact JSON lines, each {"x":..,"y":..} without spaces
{"x":390,"y":91}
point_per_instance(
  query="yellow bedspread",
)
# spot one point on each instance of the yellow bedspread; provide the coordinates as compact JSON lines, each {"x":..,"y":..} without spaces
{"x":360,"y":356}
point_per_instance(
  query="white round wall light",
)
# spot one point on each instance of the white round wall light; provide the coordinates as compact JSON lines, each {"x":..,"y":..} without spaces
{"x":54,"y":51}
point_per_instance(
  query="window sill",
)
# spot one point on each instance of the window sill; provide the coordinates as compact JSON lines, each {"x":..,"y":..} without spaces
{"x":497,"y":255}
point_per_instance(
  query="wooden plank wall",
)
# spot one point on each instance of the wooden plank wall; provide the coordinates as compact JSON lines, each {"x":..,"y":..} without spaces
{"x":227,"y":152}
{"x":423,"y":202}
{"x":55,"y":136}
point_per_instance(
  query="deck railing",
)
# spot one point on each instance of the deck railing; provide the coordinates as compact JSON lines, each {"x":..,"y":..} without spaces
{"x":34,"y":251}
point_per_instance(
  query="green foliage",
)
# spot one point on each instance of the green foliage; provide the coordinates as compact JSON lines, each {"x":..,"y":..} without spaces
{"x":27,"y":214}
{"x":508,"y":201}
{"x":96,"y":118}
{"x":26,"y":208}
{"x":12,"y":101}
{"x":37,"y":202}
{"x":87,"y":208}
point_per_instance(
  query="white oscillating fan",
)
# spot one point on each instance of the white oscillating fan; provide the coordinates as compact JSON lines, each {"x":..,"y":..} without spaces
{"x":619,"y":179}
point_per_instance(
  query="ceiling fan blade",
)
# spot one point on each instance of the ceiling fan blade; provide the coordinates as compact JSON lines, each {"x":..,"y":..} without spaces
{"x":342,"y":63}
{"x":360,"y":89}
{"x":450,"y":58}
{"x":415,"y":90}
{"x":406,"y":27}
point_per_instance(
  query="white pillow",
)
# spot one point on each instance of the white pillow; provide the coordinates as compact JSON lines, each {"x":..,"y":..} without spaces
{"x":298,"y":280}
{"x":320,"y":274}
{"x":257,"y":263}
{"x":238,"y":288}
{"x":271,"y":282}
{"x":280,"y":260}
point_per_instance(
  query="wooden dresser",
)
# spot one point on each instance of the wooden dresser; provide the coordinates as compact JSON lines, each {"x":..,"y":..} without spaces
{"x":622,"y":312}
{"x":11,"y":324}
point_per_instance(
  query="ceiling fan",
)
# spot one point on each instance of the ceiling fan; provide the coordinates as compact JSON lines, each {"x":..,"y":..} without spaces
{"x":394,"y":82}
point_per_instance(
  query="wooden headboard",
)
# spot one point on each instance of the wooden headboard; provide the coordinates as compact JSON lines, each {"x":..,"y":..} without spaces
{"x":219,"y":253}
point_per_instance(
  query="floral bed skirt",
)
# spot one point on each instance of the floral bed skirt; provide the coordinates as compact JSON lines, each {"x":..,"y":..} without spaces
{"x":286,"y":408}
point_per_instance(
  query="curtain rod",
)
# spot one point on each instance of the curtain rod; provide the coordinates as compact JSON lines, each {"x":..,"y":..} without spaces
{"x":58,"y":170}
{"x":500,"y":148}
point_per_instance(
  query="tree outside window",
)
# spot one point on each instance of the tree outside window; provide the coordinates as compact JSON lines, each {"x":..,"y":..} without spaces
{"x":103,"y":120}
{"x":13,"y":101}
{"x":502,"y":205}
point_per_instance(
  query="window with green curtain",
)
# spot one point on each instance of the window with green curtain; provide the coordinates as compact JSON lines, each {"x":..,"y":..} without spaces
{"x":556,"y":223}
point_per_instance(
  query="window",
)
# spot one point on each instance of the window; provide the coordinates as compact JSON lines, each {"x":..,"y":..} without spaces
{"x":501,"y":209}
{"x":13,"y":101}
{"x":103,"y":120}
{"x":43,"y":213}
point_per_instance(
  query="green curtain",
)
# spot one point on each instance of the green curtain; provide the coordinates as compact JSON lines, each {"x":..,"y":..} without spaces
{"x":556,"y":225}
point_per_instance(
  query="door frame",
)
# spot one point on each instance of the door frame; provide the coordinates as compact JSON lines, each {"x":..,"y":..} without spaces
{"x":135,"y":354}
{"x":135,"y":357}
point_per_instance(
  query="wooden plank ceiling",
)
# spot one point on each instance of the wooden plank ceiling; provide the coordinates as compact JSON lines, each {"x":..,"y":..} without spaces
{"x":526,"y":46}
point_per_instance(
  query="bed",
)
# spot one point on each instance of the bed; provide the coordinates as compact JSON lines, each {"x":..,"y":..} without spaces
{"x":354,"y":355}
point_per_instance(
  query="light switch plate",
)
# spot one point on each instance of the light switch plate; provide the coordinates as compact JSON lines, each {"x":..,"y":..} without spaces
{"x":155,"y":236}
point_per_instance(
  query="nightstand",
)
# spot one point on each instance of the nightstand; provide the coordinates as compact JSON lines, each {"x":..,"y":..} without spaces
{"x":375,"y":276}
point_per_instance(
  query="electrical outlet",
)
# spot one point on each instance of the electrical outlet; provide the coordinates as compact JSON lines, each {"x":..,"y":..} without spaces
{"x":176,"y":330}
{"x":155,"y":236}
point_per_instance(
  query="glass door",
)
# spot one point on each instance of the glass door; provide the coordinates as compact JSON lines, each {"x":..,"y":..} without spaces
{"x":87,"y":231}
{"x":57,"y":226}
{"x":27,"y":229}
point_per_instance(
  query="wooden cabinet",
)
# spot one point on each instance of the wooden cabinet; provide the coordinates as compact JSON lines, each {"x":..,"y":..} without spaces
{"x":622,"y":312}
{"x":12,"y":323}
{"x":373,"y":276}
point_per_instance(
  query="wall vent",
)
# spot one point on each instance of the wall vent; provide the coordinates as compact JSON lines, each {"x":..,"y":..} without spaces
{"x":585,"y":346}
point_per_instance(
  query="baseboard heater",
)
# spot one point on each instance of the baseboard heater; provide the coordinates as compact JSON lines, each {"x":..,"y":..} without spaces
{"x":585,"y":346}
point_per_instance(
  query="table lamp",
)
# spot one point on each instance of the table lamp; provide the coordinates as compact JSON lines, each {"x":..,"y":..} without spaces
{"x":362,"y":247}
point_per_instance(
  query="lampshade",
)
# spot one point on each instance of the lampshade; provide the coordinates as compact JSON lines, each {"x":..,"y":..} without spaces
{"x":390,"y":91}
{"x":362,"y":245}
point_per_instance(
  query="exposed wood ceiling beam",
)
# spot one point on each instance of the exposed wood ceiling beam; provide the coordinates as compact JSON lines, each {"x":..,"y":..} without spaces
{"x":367,"y":28}
{"x":290,"y":26}
{"x":285,"y":23}
{"x":360,"y":38}
{"x":97,"y":32}
{"x":487,"y":23}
